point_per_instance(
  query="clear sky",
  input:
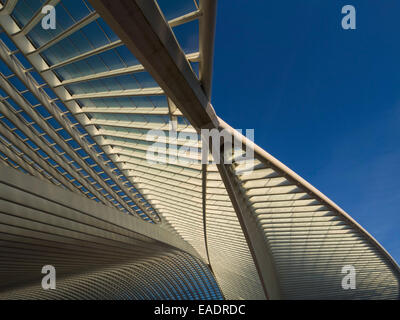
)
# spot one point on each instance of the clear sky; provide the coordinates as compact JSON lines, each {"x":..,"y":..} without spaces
{"x":323,"y":100}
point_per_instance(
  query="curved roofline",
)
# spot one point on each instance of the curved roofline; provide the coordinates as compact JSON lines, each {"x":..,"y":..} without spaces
{"x":83,"y":210}
{"x":294,"y":176}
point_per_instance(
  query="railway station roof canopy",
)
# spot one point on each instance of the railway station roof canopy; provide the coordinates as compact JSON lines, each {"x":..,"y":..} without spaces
{"x":81,"y":106}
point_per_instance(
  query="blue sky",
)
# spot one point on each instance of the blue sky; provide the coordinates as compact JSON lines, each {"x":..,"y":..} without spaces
{"x":323,"y":100}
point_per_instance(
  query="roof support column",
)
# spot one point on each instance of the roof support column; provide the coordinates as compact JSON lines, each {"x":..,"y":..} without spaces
{"x":207,"y":23}
{"x":254,"y":237}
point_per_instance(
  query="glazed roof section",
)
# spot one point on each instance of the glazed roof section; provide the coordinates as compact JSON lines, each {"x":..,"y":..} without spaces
{"x":81,"y":45}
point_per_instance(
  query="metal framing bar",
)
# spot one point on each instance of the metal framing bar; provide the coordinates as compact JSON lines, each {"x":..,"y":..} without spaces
{"x":206,"y":48}
{"x":185,"y":18}
{"x":8,"y":7}
{"x":123,"y":93}
{"x":126,"y":110}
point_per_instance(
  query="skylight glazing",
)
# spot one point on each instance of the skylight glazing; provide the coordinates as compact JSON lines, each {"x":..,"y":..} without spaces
{"x":53,"y":124}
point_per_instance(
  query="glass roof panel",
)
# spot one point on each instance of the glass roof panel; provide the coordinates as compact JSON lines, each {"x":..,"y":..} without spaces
{"x":6,"y":40}
{"x":92,"y":36}
{"x":154,"y":119}
{"x":78,"y":9}
{"x":188,"y":36}
{"x":124,"y":82}
{"x":25,"y":10}
{"x":49,"y":137}
{"x":119,"y":83}
{"x":67,"y":13}
{"x":112,"y":59}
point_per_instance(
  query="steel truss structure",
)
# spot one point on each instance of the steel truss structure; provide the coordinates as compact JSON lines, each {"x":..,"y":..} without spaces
{"x":77,"y":106}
